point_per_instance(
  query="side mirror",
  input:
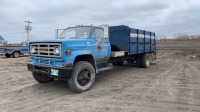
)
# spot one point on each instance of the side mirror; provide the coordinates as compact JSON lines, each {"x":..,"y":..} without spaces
{"x":106,"y":31}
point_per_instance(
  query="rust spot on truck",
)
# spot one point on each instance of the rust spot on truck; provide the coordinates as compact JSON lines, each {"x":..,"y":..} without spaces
{"x":99,"y":48}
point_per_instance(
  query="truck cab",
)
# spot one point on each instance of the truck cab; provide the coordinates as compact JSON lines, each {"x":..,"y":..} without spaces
{"x":76,"y":55}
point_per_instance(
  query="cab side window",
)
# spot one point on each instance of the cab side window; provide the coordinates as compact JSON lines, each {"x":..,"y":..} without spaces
{"x":99,"y":33}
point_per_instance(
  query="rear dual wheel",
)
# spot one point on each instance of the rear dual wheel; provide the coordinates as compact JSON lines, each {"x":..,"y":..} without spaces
{"x":143,"y":60}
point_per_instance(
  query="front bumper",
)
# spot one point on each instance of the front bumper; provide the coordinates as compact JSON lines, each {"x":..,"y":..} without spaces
{"x":63,"y":72}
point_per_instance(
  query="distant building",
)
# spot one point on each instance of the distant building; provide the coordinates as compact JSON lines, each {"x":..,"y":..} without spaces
{"x":2,"y":41}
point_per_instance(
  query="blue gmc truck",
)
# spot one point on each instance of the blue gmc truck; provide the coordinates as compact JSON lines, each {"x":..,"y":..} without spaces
{"x":81,"y":52}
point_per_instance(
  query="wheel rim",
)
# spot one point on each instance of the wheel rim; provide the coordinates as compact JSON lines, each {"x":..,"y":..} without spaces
{"x":84,"y":77}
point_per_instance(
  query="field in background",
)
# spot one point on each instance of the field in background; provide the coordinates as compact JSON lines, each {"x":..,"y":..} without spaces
{"x":170,"y":85}
{"x":179,"y":49}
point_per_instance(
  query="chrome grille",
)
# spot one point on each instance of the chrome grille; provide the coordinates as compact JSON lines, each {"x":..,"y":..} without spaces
{"x":45,"y":49}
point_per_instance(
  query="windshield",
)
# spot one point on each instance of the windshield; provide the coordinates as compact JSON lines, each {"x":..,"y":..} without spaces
{"x":76,"y":32}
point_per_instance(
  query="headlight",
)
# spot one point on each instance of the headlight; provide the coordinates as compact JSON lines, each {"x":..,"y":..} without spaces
{"x":32,"y":50}
{"x":57,"y":51}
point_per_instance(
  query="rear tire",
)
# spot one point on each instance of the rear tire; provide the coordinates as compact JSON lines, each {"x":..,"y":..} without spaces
{"x":83,"y":77}
{"x":42,"y":78}
{"x":8,"y":55}
{"x":16,"y":54}
{"x":145,"y":60}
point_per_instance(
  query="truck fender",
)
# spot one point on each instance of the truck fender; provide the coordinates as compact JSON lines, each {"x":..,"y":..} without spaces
{"x":16,"y":51}
{"x":86,"y":57}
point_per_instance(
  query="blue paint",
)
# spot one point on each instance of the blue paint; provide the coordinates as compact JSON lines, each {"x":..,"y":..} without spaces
{"x":132,"y":40}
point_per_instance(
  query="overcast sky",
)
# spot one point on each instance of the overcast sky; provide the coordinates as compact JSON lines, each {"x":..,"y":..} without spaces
{"x":165,"y":17}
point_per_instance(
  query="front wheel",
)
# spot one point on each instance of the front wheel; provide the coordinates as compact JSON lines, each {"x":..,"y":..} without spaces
{"x":83,"y":77}
{"x":42,"y":78}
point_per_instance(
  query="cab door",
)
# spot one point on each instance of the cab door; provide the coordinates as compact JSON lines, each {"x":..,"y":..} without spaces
{"x":101,"y":43}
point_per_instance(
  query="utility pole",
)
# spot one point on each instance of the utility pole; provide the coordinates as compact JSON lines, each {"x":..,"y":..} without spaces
{"x":28,"y":29}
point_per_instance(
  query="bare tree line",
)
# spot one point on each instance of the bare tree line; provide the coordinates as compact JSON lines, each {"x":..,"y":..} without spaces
{"x":179,"y":36}
{"x":182,"y":36}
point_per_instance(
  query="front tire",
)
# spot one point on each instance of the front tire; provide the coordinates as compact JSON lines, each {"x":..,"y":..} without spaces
{"x":42,"y":78}
{"x":83,"y":77}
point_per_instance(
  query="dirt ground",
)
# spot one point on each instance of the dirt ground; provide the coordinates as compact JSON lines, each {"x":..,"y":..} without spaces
{"x":170,"y":85}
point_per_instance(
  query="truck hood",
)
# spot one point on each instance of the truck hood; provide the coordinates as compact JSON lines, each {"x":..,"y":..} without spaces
{"x":59,"y":40}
